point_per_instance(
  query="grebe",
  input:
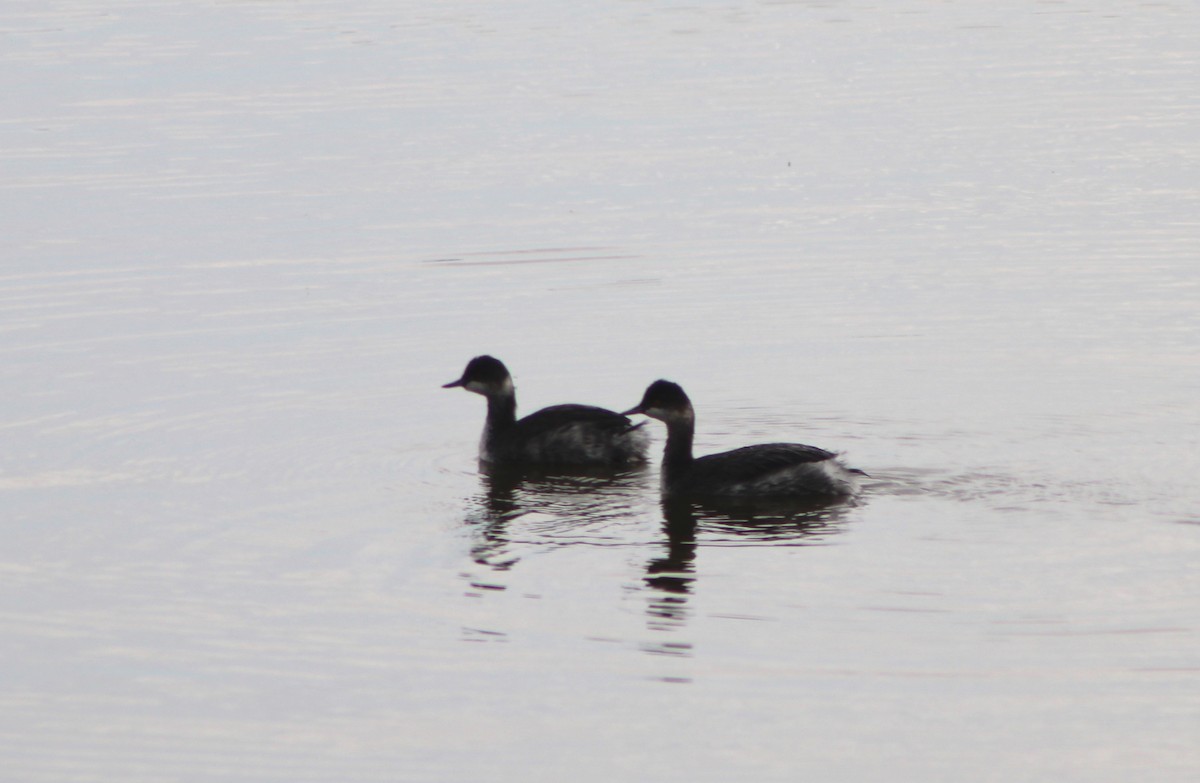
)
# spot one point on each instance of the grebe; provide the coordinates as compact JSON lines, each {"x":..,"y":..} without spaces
{"x":767,"y":470}
{"x":561,"y":435}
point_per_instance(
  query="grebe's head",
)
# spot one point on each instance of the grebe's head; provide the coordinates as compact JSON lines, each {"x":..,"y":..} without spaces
{"x":664,"y":401}
{"x":484,"y":375}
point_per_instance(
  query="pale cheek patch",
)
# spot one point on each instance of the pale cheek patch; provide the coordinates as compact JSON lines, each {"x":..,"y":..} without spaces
{"x":482,"y":388}
{"x":667,"y":414}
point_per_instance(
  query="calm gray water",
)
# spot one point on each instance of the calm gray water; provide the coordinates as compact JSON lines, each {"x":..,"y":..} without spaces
{"x":245,"y":537}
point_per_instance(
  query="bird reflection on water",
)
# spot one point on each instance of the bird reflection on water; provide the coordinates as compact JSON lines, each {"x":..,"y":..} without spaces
{"x":687,"y":526}
{"x":521,"y":512}
{"x":522,"y":507}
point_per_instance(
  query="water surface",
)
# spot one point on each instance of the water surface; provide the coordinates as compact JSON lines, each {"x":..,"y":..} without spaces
{"x":246,"y":537}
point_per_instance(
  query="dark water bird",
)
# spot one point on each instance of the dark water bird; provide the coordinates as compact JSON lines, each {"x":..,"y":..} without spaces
{"x":558,"y":436}
{"x":770,"y":470}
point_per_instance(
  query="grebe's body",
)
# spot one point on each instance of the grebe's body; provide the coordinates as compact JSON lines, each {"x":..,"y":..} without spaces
{"x":558,"y":436}
{"x":767,"y":470}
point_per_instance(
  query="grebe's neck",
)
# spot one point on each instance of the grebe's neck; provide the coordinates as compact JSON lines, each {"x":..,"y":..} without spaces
{"x":501,"y":415}
{"x":677,"y":456}
{"x":502,"y":411}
